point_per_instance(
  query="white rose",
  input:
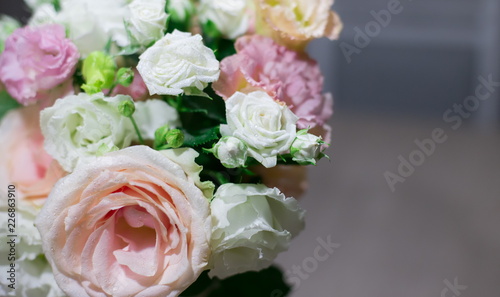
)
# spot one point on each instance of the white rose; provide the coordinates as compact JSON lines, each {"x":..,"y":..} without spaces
{"x":33,"y":273}
{"x":34,"y":4}
{"x":42,"y":15}
{"x":153,"y":114}
{"x":185,"y":158}
{"x":147,"y":22}
{"x":78,"y":128}
{"x":251,"y":225}
{"x":231,"y":17}
{"x":231,"y":151}
{"x":91,"y":23}
{"x":306,"y":148}
{"x":33,"y":278}
{"x":180,"y":9}
{"x":177,"y":63}
{"x":7,"y":26}
{"x":266,"y":126}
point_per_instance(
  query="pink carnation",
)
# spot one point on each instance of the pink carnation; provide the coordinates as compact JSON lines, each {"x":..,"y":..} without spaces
{"x":284,"y":74}
{"x":38,"y":63}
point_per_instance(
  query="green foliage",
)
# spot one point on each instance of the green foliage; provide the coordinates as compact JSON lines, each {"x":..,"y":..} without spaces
{"x":7,"y":103}
{"x":196,"y":138}
{"x":265,"y":283}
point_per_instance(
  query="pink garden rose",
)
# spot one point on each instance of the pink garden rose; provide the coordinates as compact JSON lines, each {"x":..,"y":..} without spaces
{"x":38,"y":64}
{"x":284,"y":74}
{"x":133,"y":223}
{"x":23,"y":160}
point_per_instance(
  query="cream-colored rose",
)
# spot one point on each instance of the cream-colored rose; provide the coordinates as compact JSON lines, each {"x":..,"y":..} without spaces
{"x":178,"y":63}
{"x":132,"y":223}
{"x":148,"y":20}
{"x":294,"y":23}
{"x":267,"y":127}
{"x":231,"y":17}
{"x":252,"y":224}
{"x":80,"y":127}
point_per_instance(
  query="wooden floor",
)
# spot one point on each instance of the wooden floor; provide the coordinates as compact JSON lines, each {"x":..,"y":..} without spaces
{"x":442,"y":223}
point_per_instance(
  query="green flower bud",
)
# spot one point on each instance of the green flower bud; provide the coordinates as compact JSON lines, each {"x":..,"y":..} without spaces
{"x":125,"y":76}
{"x":231,"y":151}
{"x":126,"y":108}
{"x":98,"y":71}
{"x":174,"y":138}
{"x":160,"y":135}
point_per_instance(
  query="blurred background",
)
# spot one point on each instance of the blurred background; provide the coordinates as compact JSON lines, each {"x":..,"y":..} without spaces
{"x":375,"y":227}
{"x":399,"y":71}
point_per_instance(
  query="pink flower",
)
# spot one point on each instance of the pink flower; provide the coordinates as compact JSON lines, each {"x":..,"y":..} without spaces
{"x":137,"y":90}
{"x":284,"y":74}
{"x":38,"y":63}
{"x":133,"y":223}
{"x":24,"y":162}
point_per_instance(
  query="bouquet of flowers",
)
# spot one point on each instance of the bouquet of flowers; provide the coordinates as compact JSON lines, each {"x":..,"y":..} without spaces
{"x":154,"y":147}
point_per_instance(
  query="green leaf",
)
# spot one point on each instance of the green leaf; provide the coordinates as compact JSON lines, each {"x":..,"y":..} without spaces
{"x":268,"y":282}
{"x":201,"y":284}
{"x":213,"y":106}
{"x":200,"y":137}
{"x":7,"y":103}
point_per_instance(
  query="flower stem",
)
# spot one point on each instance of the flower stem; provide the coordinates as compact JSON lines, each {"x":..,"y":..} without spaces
{"x":141,"y":140}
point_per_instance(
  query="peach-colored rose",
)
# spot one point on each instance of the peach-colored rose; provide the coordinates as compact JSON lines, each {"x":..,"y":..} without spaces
{"x":290,"y":179}
{"x":294,"y":23}
{"x":23,"y":160}
{"x":133,"y":223}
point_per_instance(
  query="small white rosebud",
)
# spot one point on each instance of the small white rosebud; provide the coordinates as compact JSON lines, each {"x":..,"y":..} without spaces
{"x":306,"y":148}
{"x":231,"y":151}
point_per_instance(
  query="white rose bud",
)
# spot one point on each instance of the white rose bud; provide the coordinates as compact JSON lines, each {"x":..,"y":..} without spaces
{"x":231,"y":151}
{"x":231,"y":17}
{"x":251,"y":225}
{"x":80,"y":127}
{"x":306,"y":148}
{"x":267,"y":127}
{"x":147,"y":21}
{"x":178,"y":63}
